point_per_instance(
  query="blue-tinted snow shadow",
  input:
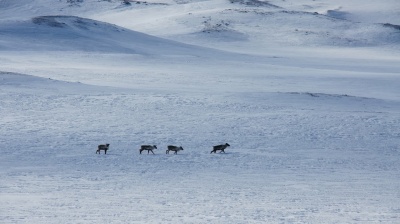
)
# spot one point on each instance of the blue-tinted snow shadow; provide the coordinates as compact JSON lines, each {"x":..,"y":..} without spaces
{"x":111,"y":154}
{"x":227,"y":153}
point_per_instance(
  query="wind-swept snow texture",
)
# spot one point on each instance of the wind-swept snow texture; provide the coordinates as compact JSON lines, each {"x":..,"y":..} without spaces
{"x":306,"y":93}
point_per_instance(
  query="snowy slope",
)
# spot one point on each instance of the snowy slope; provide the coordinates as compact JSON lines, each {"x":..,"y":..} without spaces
{"x":294,"y":157}
{"x":69,"y":33}
{"x":305,"y":92}
{"x":250,"y":24}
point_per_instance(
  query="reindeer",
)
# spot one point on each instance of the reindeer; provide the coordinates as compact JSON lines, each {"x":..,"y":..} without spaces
{"x":219,"y":147}
{"x":148,"y":148}
{"x":174,"y":148}
{"x":102,"y":147}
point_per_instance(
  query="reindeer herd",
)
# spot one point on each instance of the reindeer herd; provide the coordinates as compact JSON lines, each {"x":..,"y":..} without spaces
{"x":172,"y":148}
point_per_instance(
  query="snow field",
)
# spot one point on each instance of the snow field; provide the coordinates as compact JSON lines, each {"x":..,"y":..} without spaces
{"x":292,"y":157}
{"x":310,"y":107}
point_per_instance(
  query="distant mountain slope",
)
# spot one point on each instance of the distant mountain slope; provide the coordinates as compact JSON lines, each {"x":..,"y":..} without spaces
{"x":67,"y":33}
{"x":25,"y":9}
{"x":262,"y":24}
{"x":256,"y":24}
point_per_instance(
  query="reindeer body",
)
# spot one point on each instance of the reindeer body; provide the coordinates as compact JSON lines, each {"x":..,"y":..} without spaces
{"x":102,"y":147}
{"x":220,"y":148}
{"x":149,"y":148}
{"x":174,"y":148}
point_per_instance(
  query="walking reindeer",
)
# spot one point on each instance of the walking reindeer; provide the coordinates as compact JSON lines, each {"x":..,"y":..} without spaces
{"x":102,"y":147}
{"x":176,"y":149}
{"x":220,"y":148}
{"x":149,"y":148}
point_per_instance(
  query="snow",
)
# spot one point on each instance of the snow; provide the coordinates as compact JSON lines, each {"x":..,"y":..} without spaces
{"x":312,"y":115}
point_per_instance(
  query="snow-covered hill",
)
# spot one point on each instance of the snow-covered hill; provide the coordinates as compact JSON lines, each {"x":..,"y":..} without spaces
{"x":305,"y":92}
{"x":70,"y":33}
{"x":235,"y":24}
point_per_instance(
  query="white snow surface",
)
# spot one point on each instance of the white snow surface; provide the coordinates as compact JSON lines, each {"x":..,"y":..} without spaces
{"x":305,"y":92}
